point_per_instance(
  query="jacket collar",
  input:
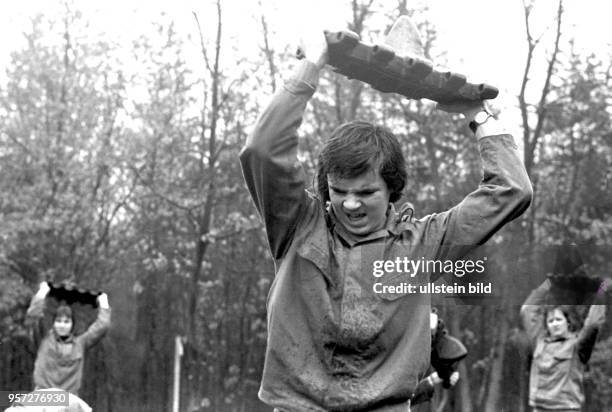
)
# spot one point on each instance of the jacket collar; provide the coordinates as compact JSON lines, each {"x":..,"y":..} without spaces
{"x":394,"y":225}
{"x":68,"y":339}
{"x":549,"y":338}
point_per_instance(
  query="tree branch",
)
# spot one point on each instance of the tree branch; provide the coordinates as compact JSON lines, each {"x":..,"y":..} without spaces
{"x":202,"y":48}
{"x":268,"y":52}
{"x":541,"y":110}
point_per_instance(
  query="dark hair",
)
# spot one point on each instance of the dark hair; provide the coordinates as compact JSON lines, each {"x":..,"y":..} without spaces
{"x":356,"y":147}
{"x":565,"y":310}
{"x":63,"y":310}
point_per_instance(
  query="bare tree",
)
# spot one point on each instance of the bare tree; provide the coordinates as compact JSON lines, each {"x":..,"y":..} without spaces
{"x":497,"y":363}
{"x":532,"y":135}
{"x":360,"y":12}
{"x":266,"y":49}
{"x":204,"y":217}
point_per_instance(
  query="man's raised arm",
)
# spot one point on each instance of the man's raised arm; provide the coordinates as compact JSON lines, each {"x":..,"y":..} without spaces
{"x":35,"y":315}
{"x":101,"y":325}
{"x":269,"y":160}
{"x":588,"y":334}
{"x":532,"y":312}
{"x":503,"y":194}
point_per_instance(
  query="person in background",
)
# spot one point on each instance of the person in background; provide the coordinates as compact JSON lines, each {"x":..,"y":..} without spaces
{"x":60,"y":353}
{"x":560,"y":352}
{"x":421,"y":400}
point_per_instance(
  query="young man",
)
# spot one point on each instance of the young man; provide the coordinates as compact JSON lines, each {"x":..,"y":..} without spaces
{"x":60,"y":353}
{"x":333,"y":343}
{"x":561,"y":350}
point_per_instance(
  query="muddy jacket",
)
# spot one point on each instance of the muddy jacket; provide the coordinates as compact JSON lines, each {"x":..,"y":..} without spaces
{"x":59,"y":362}
{"x":333,"y":343}
{"x":558,"y":365}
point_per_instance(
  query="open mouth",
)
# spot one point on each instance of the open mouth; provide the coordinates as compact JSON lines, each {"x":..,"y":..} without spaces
{"x":354,"y":217}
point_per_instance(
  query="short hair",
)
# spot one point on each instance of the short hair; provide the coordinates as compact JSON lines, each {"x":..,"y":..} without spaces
{"x":356,"y":147}
{"x":565,"y":310}
{"x":63,"y":310}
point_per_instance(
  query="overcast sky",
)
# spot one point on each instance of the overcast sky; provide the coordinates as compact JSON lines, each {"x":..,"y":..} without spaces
{"x":484,"y":39}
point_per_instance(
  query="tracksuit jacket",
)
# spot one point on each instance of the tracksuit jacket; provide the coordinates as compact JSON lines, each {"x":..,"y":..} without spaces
{"x":59,"y":362}
{"x":333,"y":343}
{"x":558,"y":364}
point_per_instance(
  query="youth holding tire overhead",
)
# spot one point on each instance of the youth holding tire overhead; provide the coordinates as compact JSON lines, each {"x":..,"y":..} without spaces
{"x":560,"y":351}
{"x":60,"y":353}
{"x":334,"y":344}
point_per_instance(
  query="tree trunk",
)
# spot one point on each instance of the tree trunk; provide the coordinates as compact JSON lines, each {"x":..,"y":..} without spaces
{"x":465,"y":398}
{"x":497,"y":364}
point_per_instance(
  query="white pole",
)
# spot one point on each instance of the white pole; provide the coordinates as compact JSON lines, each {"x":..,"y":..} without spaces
{"x":176,"y":392}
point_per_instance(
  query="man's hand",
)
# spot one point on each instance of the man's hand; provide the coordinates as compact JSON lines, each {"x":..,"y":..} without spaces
{"x":43,"y":289}
{"x":314,"y":48}
{"x":468,"y":109}
{"x":454,"y":378}
{"x":435,"y":379}
{"x":433,"y":321}
{"x":103,"y":301}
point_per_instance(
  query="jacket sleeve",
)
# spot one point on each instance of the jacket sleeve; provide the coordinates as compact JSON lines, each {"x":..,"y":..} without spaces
{"x":504,"y":193}
{"x":97,"y":329}
{"x":34,"y":320}
{"x":273,"y":174}
{"x":588,"y":335}
{"x":532,"y":313}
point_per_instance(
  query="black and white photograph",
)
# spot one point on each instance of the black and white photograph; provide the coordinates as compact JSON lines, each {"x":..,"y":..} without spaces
{"x":306,"y":206}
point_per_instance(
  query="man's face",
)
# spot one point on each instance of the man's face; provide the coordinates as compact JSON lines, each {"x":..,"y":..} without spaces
{"x":62,"y":325}
{"x":556,"y":323}
{"x":360,"y":203}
